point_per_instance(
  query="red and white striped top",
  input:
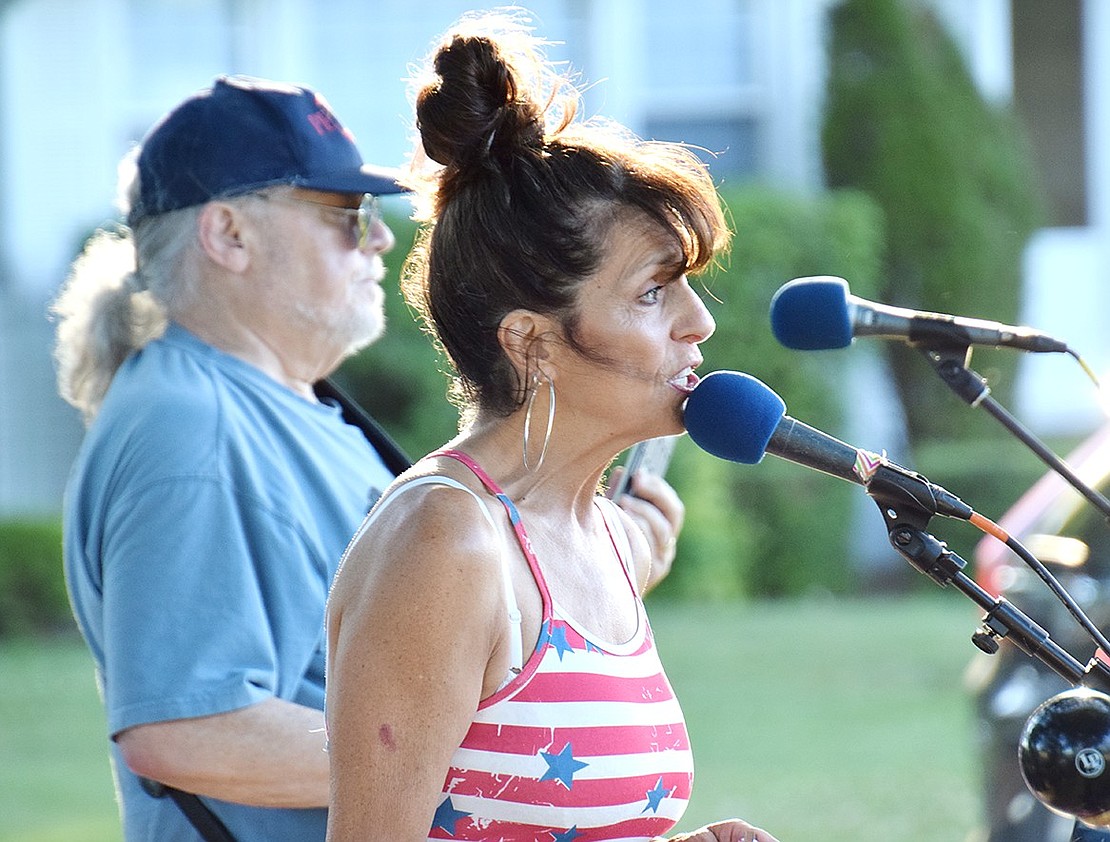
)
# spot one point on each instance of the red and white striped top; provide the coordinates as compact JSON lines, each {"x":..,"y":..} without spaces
{"x":587,"y":743}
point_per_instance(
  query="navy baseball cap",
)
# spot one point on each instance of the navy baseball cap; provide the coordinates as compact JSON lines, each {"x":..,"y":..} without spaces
{"x":244,"y":134}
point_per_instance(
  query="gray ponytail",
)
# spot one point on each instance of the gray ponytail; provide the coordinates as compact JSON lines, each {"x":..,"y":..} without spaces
{"x":116,"y":299}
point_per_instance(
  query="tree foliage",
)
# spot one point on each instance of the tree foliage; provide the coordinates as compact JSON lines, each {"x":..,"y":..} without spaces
{"x":951,"y":172}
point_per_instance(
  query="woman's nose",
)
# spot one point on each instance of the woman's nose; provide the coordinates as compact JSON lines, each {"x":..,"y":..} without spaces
{"x":696,"y":324}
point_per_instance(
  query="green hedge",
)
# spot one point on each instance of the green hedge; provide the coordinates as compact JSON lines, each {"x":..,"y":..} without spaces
{"x":32,"y":584}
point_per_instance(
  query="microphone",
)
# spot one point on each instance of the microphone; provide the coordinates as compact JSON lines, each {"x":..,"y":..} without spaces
{"x":813,"y":314}
{"x":737,"y":417}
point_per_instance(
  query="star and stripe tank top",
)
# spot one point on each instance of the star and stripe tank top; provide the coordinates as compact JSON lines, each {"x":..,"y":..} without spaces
{"x":586,"y":743}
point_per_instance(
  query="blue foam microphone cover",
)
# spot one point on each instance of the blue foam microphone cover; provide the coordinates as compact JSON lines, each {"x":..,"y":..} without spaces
{"x":811,"y":314}
{"x":732,"y":415}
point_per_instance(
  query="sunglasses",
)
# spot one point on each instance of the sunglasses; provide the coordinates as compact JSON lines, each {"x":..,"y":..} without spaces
{"x":360,"y":220}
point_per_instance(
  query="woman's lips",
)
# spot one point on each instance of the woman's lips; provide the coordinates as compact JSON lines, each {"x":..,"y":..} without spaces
{"x":684,"y":381}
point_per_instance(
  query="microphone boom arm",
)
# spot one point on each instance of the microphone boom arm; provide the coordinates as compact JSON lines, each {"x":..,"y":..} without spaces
{"x":951,"y":366}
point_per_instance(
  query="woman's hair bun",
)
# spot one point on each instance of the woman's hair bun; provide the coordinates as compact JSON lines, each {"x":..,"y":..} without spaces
{"x":481,"y":104}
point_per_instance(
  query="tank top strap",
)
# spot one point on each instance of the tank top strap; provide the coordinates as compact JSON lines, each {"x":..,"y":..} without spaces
{"x":514,"y":520}
{"x":619,"y":538}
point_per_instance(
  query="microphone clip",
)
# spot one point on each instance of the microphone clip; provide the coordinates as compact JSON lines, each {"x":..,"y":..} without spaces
{"x":906,"y":521}
{"x":951,"y":365}
{"x":906,"y":495}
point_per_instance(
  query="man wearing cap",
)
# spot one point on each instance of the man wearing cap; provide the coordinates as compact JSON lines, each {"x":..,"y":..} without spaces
{"x":216,"y":489}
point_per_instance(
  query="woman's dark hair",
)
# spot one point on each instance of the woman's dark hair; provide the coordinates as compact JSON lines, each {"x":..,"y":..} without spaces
{"x":518,"y":213}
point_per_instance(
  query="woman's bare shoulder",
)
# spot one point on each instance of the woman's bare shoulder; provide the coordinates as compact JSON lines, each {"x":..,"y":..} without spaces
{"x":432,"y":531}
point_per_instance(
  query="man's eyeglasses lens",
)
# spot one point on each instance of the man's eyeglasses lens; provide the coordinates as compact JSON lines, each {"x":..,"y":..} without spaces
{"x":369,"y":215}
{"x":365,"y":216}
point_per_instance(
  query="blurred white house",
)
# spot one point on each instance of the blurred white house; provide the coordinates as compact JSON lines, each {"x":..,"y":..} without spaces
{"x":81,"y":80}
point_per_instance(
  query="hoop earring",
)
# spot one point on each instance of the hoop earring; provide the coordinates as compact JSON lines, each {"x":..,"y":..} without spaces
{"x":528,"y":420}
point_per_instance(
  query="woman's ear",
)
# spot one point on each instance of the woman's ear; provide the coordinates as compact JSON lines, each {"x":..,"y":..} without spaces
{"x":219,"y":230}
{"x":526,"y":335}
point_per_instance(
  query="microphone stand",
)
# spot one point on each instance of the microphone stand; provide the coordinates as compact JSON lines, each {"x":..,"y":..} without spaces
{"x":906,"y":521}
{"x":950,"y":364}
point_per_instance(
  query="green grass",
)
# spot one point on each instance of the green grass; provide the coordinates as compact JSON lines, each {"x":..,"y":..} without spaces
{"x":837,"y":720}
{"x":55,"y":782}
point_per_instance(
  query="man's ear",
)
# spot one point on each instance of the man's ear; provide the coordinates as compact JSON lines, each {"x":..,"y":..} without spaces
{"x":219,"y":230}
{"x":526,"y":337}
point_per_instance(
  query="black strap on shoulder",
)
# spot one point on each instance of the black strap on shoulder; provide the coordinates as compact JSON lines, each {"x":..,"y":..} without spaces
{"x":394,"y":457}
{"x":207,"y":823}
